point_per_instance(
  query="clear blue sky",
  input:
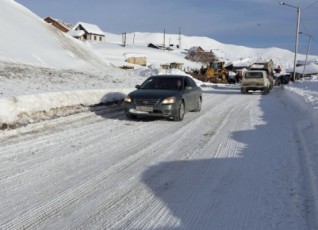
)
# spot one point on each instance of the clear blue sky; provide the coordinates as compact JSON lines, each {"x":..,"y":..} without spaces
{"x":252,"y":23}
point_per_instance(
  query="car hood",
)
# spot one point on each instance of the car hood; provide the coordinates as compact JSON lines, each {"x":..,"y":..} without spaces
{"x":154,"y":93}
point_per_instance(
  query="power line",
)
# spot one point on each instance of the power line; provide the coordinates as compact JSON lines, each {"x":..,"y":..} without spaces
{"x":311,"y":5}
{"x":313,"y":39}
{"x":303,"y":25}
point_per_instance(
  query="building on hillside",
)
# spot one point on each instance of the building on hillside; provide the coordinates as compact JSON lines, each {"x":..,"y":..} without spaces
{"x":303,"y":62}
{"x":152,"y":45}
{"x":176,"y":65}
{"x":86,"y":31}
{"x":195,"y":49}
{"x":138,"y":59}
{"x":78,"y":34}
{"x":59,"y":24}
{"x":197,"y":54}
{"x":172,"y":65}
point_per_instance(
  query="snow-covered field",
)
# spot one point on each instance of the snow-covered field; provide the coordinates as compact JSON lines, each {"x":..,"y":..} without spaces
{"x":243,"y":162}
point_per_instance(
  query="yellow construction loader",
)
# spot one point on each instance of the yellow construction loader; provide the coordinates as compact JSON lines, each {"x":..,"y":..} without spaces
{"x":216,"y":72}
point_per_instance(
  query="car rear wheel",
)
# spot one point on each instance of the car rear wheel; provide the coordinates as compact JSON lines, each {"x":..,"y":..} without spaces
{"x":243,"y":90}
{"x":131,"y":116}
{"x":266,"y":91}
{"x":180,"y":112}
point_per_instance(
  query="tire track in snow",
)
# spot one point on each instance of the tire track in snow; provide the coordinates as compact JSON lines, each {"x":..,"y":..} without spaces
{"x":146,"y":197}
{"x":63,"y":199}
{"x":154,"y":150}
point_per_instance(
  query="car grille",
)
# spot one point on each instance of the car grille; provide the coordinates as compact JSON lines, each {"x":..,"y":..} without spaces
{"x":147,"y":101}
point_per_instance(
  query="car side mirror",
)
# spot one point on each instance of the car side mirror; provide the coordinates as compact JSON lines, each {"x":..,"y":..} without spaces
{"x":137,"y":86}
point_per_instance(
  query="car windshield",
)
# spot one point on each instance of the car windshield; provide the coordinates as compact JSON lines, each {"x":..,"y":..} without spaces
{"x":253,"y":75}
{"x":166,"y":83}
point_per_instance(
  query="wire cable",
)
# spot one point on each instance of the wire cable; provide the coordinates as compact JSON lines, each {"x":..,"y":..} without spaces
{"x":310,"y":5}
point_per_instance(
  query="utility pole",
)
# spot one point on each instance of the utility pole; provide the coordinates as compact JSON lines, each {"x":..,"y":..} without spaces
{"x":124,"y":39}
{"x":297,"y":35}
{"x":164,"y":39}
{"x":296,"y":44}
{"x":179,"y":37}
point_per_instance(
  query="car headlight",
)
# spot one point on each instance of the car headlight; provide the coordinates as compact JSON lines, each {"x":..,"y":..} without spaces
{"x":128,"y":99}
{"x":169,"y":100}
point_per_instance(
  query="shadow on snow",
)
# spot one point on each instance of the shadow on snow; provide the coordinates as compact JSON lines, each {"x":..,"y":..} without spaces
{"x":254,"y":190}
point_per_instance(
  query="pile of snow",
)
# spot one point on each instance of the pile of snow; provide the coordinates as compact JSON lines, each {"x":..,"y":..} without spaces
{"x":28,"y":105}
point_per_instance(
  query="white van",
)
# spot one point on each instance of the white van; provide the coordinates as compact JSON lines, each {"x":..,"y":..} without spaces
{"x":256,"y":80}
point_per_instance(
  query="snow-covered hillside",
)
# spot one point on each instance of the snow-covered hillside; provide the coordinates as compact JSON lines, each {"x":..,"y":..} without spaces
{"x":28,"y":39}
{"x":226,"y":52}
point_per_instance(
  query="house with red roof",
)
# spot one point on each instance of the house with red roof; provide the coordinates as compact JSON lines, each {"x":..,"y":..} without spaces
{"x":59,"y":24}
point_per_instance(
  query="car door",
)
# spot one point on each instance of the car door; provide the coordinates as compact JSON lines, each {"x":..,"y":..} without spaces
{"x":189,"y":95}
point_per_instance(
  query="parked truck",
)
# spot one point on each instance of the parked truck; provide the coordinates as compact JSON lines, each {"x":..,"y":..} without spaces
{"x":255,"y":80}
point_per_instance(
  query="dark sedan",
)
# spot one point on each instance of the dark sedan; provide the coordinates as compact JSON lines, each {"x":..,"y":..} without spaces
{"x":168,"y":96}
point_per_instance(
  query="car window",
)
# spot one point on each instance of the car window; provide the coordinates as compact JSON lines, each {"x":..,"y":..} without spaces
{"x":179,"y":84}
{"x":165,"y":83}
{"x":253,"y":75}
{"x":192,"y":82}
{"x":186,"y":83}
{"x":149,"y":84}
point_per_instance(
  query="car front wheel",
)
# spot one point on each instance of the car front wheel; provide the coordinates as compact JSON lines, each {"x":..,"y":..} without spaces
{"x":180,"y":112}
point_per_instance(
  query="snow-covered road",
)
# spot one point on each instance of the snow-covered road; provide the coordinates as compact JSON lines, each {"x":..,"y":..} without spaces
{"x":227,"y":167}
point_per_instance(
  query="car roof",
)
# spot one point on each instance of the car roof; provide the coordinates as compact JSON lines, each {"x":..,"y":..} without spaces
{"x":170,"y":76}
{"x":256,"y":71}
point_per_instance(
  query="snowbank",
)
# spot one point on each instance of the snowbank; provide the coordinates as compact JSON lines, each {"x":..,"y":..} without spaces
{"x":13,"y":108}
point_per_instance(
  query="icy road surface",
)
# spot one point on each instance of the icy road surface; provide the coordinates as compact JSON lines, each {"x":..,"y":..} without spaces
{"x":227,"y":167}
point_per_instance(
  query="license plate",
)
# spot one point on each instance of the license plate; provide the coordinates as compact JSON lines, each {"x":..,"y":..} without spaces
{"x":144,"y":108}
